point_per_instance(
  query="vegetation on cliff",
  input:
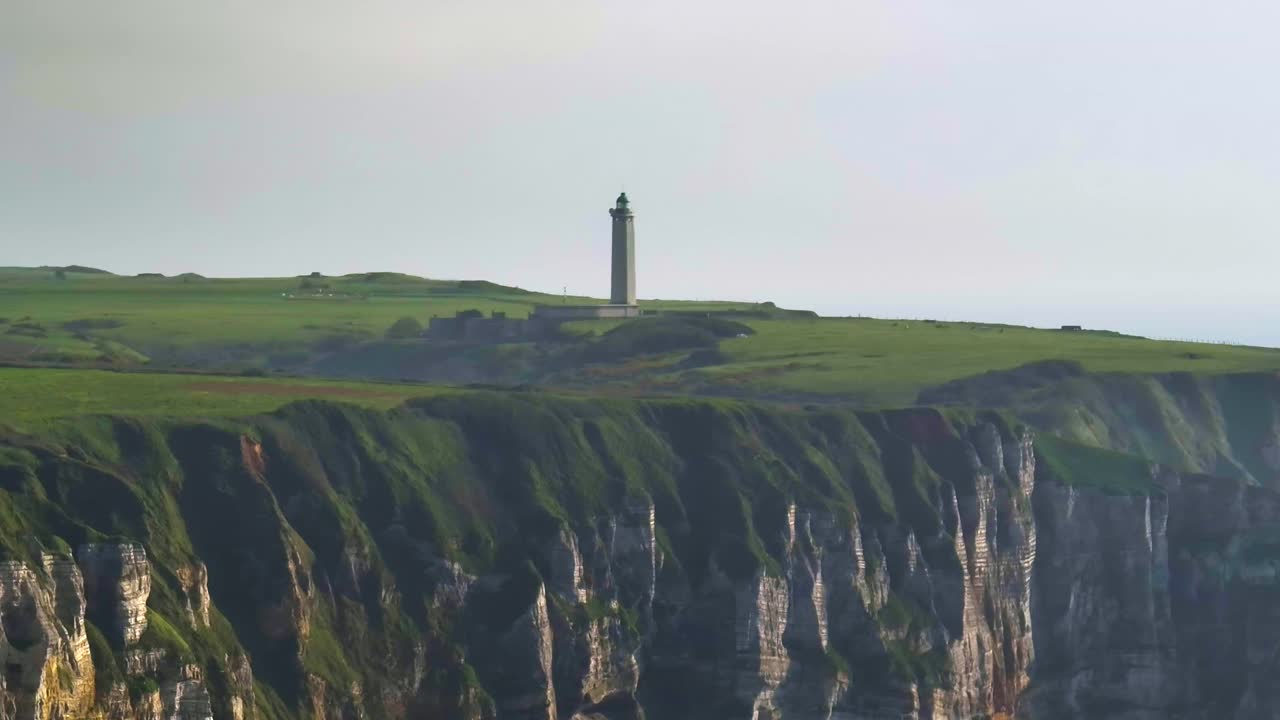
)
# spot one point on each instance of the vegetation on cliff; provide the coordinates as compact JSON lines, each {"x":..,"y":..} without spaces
{"x":1220,"y":424}
{"x":334,"y":536}
{"x":341,"y":523}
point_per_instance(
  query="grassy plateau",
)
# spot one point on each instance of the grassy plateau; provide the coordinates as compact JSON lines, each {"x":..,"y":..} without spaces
{"x":33,"y":395}
{"x":337,"y":327}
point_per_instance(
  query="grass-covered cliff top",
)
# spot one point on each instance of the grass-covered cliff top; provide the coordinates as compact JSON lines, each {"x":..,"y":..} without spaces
{"x":337,"y":327}
{"x":50,"y":315}
{"x":29,"y":397}
{"x":889,"y":362}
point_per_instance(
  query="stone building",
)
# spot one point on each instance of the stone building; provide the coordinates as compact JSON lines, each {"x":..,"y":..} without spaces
{"x":473,"y":326}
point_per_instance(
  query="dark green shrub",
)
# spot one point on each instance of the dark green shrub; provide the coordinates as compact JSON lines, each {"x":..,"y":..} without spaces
{"x":405,"y":327}
{"x":661,"y":334}
{"x":92,"y":324}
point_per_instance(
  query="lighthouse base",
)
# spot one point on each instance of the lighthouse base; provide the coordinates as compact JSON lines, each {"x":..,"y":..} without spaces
{"x":585,"y":312}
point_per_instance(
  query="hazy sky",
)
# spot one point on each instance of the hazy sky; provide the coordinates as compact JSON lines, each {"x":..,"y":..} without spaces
{"x":1111,"y":163}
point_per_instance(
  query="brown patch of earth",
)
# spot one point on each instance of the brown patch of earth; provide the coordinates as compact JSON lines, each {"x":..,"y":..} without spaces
{"x":14,"y":350}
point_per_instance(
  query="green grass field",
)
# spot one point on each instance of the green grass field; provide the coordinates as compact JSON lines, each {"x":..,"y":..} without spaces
{"x":887,"y":362}
{"x":30,"y":396}
{"x":190,"y":322}
{"x":72,"y":319}
{"x":153,"y":315}
{"x":894,"y":360}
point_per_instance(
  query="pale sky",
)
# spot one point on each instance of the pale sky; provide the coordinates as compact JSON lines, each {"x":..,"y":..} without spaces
{"x":1113,"y":164}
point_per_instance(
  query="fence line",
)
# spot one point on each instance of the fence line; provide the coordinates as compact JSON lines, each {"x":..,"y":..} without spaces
{"x":1194,"y":341}
{"x":1157,"y":338}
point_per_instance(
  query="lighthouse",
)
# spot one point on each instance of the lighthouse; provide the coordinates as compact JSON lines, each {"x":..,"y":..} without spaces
{"x":622,"y":276}
{"x":624,"y":253}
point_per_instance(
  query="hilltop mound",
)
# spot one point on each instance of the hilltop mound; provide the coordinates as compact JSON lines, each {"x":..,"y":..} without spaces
{"x":388,"y":278}
{"x":383,"y":277}
{"x":81,"y":269}
{"x":490,"y":287}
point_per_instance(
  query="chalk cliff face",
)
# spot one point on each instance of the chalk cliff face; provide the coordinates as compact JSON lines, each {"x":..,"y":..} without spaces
{"x":117,"y":580}
{"x":47,"y":654}
{"x":503,"y":556}
{"x":1157,"y":607}
{"x":47,"y":667}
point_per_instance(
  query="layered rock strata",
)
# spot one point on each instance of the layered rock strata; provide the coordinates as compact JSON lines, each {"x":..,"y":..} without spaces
{"x":469,"y":562}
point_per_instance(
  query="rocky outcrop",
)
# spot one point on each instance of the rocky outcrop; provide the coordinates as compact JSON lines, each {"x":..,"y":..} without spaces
{"x":117,"y":580}
{"x":186,"y":699}
{"x":193,"y":579}
{"x":150,"y":706}
{"x":117,"y":705}
{"x":325,"y":702}
{"x":146,"y":662}
{"x":48,"y":659}
{"x":47,"y":672}
{"x":69,"y":611}
{"x":241,"y":701}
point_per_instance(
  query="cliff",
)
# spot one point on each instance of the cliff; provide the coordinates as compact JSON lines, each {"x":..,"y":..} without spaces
{"x":523,"y":556}
{"x":1226,"y":425}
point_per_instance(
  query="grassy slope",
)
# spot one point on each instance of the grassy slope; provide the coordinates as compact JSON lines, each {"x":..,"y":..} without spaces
{"x":894,"y":360}
{"x":1092,"y":467}
{"x":1223,"y":425}
{"x":887,"y":363}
